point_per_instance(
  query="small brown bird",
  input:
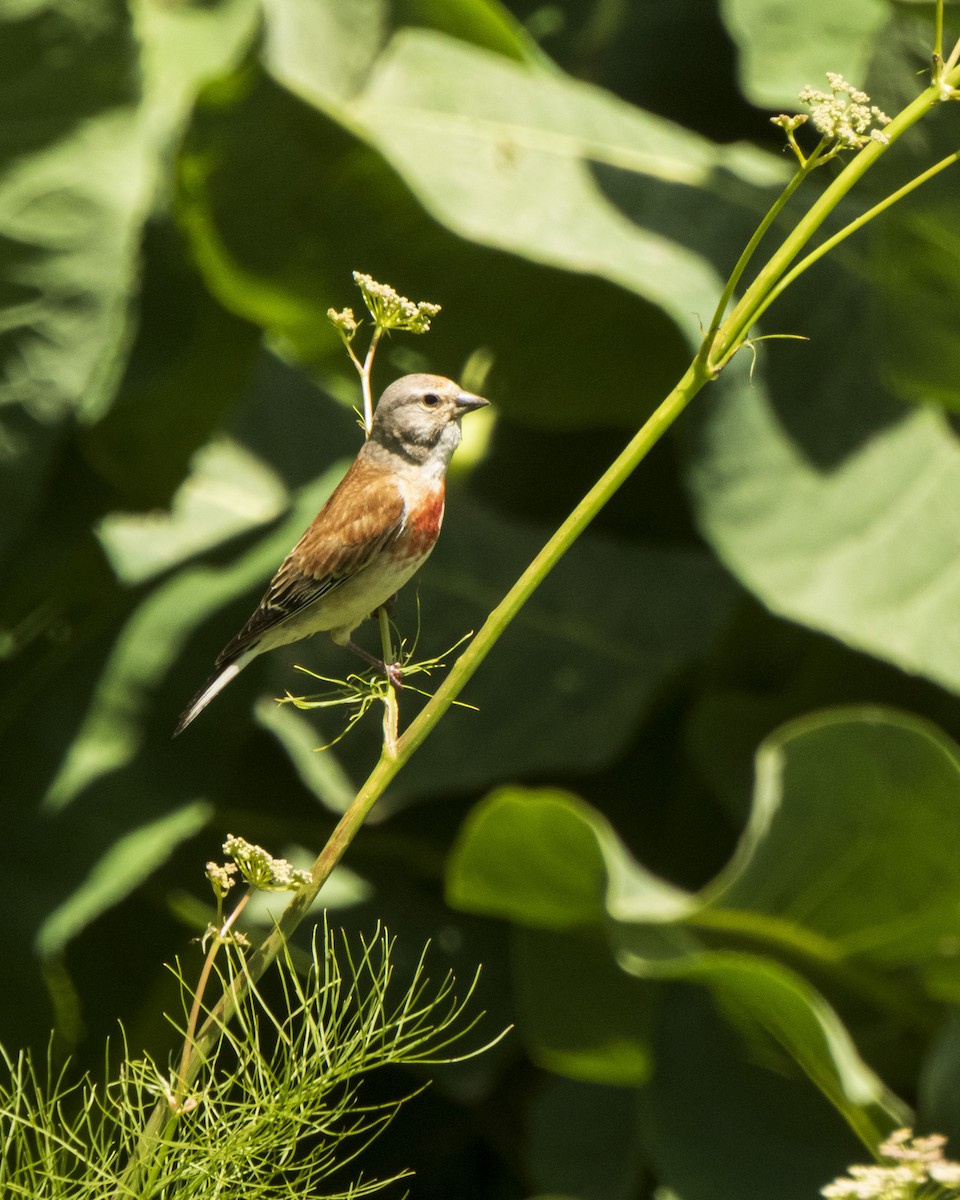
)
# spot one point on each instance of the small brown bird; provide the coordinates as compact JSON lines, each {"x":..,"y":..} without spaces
{"x":371,"y":536}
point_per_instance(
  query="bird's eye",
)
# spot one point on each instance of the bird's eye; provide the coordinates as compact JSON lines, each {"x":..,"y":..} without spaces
{"x":430,"y":399}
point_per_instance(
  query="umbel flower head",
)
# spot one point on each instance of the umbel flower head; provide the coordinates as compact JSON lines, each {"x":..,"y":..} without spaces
{"x":345,"y":323}
{"x":390,"y":310}
{"x":907,"y":1165}
{"x":844,"y":115}
{"x":260,"y":869}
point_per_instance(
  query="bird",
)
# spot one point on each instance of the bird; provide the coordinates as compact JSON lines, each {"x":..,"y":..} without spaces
{"x":373,"y":534}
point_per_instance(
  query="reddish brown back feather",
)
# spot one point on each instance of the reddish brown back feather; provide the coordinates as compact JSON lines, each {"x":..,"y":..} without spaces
{"x":363,"y":515}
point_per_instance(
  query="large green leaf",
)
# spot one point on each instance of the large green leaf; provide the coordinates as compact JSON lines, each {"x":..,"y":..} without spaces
{"x":281,"y":205}
{"x":74,"y":185}
{"x":718,"y":1125}
{"x":74,"y":188}
{"x":772,"y":1004}
{"x":324,"y":51}
{"x":853,"y":835}
{"x":844,"y":523}
{"x":503,"y":154}
{"x":845,"y":806}
{"x":557,"y":879}
{"x":844,"y":867}
{"x":778,"y":55}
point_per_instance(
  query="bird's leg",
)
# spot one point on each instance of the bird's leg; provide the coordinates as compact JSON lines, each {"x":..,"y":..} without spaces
{"x":391,"y":670}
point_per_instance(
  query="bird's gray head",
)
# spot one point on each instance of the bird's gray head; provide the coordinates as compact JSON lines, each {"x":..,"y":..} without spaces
{"x":418,"y":417}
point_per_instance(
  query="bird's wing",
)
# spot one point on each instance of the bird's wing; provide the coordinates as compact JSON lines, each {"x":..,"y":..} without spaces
{"x":364,"y":515}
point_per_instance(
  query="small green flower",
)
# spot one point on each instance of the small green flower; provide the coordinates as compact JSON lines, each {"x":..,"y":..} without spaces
{"x":221,"y":877}
{"x":789,"y":123}
{"x":261,"y":870}
{"x":345,"y":323}
{"x":390,"y":310}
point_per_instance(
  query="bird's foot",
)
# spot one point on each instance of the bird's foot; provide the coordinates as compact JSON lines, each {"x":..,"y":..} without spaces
{"x":393,"y":671}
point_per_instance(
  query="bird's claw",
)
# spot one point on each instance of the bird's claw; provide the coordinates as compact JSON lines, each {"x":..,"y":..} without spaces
{"x":394,"y":673}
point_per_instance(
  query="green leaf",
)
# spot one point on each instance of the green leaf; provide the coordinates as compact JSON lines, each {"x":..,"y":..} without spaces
{"x":560,"y":977}
{"x":779,"y":56}
{"x":325,"y":51}
{"x":505,"y":155}
{"x":548,"y":860}
{"x":853,"y":835}
{"x":918,"y":291}
{"x":835,"y":506}
{"x":722,"y":1125}
{"x":845,"y":861}
{"x":854,"y":825}
{"x":70,"y":217}
{"x":447,"y":138}
{"x":770,"y":1002}
{"x":534,"y":857}
{"x":251,"y":167}
{"x":121,"y":869}
{"x":189,"y":361}
{"x":228,"y":492}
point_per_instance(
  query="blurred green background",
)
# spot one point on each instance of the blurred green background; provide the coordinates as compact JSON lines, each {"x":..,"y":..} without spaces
{"x":703,"y":832}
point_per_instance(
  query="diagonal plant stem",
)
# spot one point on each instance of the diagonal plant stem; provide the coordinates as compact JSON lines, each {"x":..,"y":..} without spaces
{"x":391,"y":711}
{"x":864,"y":219}
{"x":755,"y":299}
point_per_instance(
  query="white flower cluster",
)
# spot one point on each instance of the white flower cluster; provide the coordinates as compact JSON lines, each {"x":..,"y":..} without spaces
{"x":260,"y":869}
{"x":844,"y":115}
{"x":908,"y":1163}
{"x":390,"y":310}
{"x":345,"y":323}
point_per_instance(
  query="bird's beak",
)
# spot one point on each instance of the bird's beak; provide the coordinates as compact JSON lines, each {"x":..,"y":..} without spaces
{"x":467,"y":402}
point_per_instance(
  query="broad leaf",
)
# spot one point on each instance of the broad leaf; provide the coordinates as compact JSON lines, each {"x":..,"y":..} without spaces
{"x":843,"y":523}
{"x":121,"y":869}
{"x":856,"y":818}
{"x":778,"y":55}
{"x":718,"y":1125}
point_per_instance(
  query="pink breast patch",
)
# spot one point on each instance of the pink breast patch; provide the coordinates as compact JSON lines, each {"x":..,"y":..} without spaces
{"x":423,"y":524}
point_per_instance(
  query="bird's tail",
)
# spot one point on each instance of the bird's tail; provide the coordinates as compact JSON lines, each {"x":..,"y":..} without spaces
{"x":213,"y":687}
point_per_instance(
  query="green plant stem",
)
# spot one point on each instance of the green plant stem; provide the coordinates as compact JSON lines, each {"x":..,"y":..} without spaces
{"x":216,"y":941}
{"x":365,"y":373}
{"x":864,"y":219}
{"x":391,"y":713}
{"x":938,"y":33}
{"x":801,"y":173}
{"x":735,"y":329}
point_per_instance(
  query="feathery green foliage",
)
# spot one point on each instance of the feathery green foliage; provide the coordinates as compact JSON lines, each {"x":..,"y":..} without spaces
{"x":277,"y":1108}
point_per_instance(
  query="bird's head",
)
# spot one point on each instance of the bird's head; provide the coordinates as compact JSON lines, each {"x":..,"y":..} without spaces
{"x":418,"y":417}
